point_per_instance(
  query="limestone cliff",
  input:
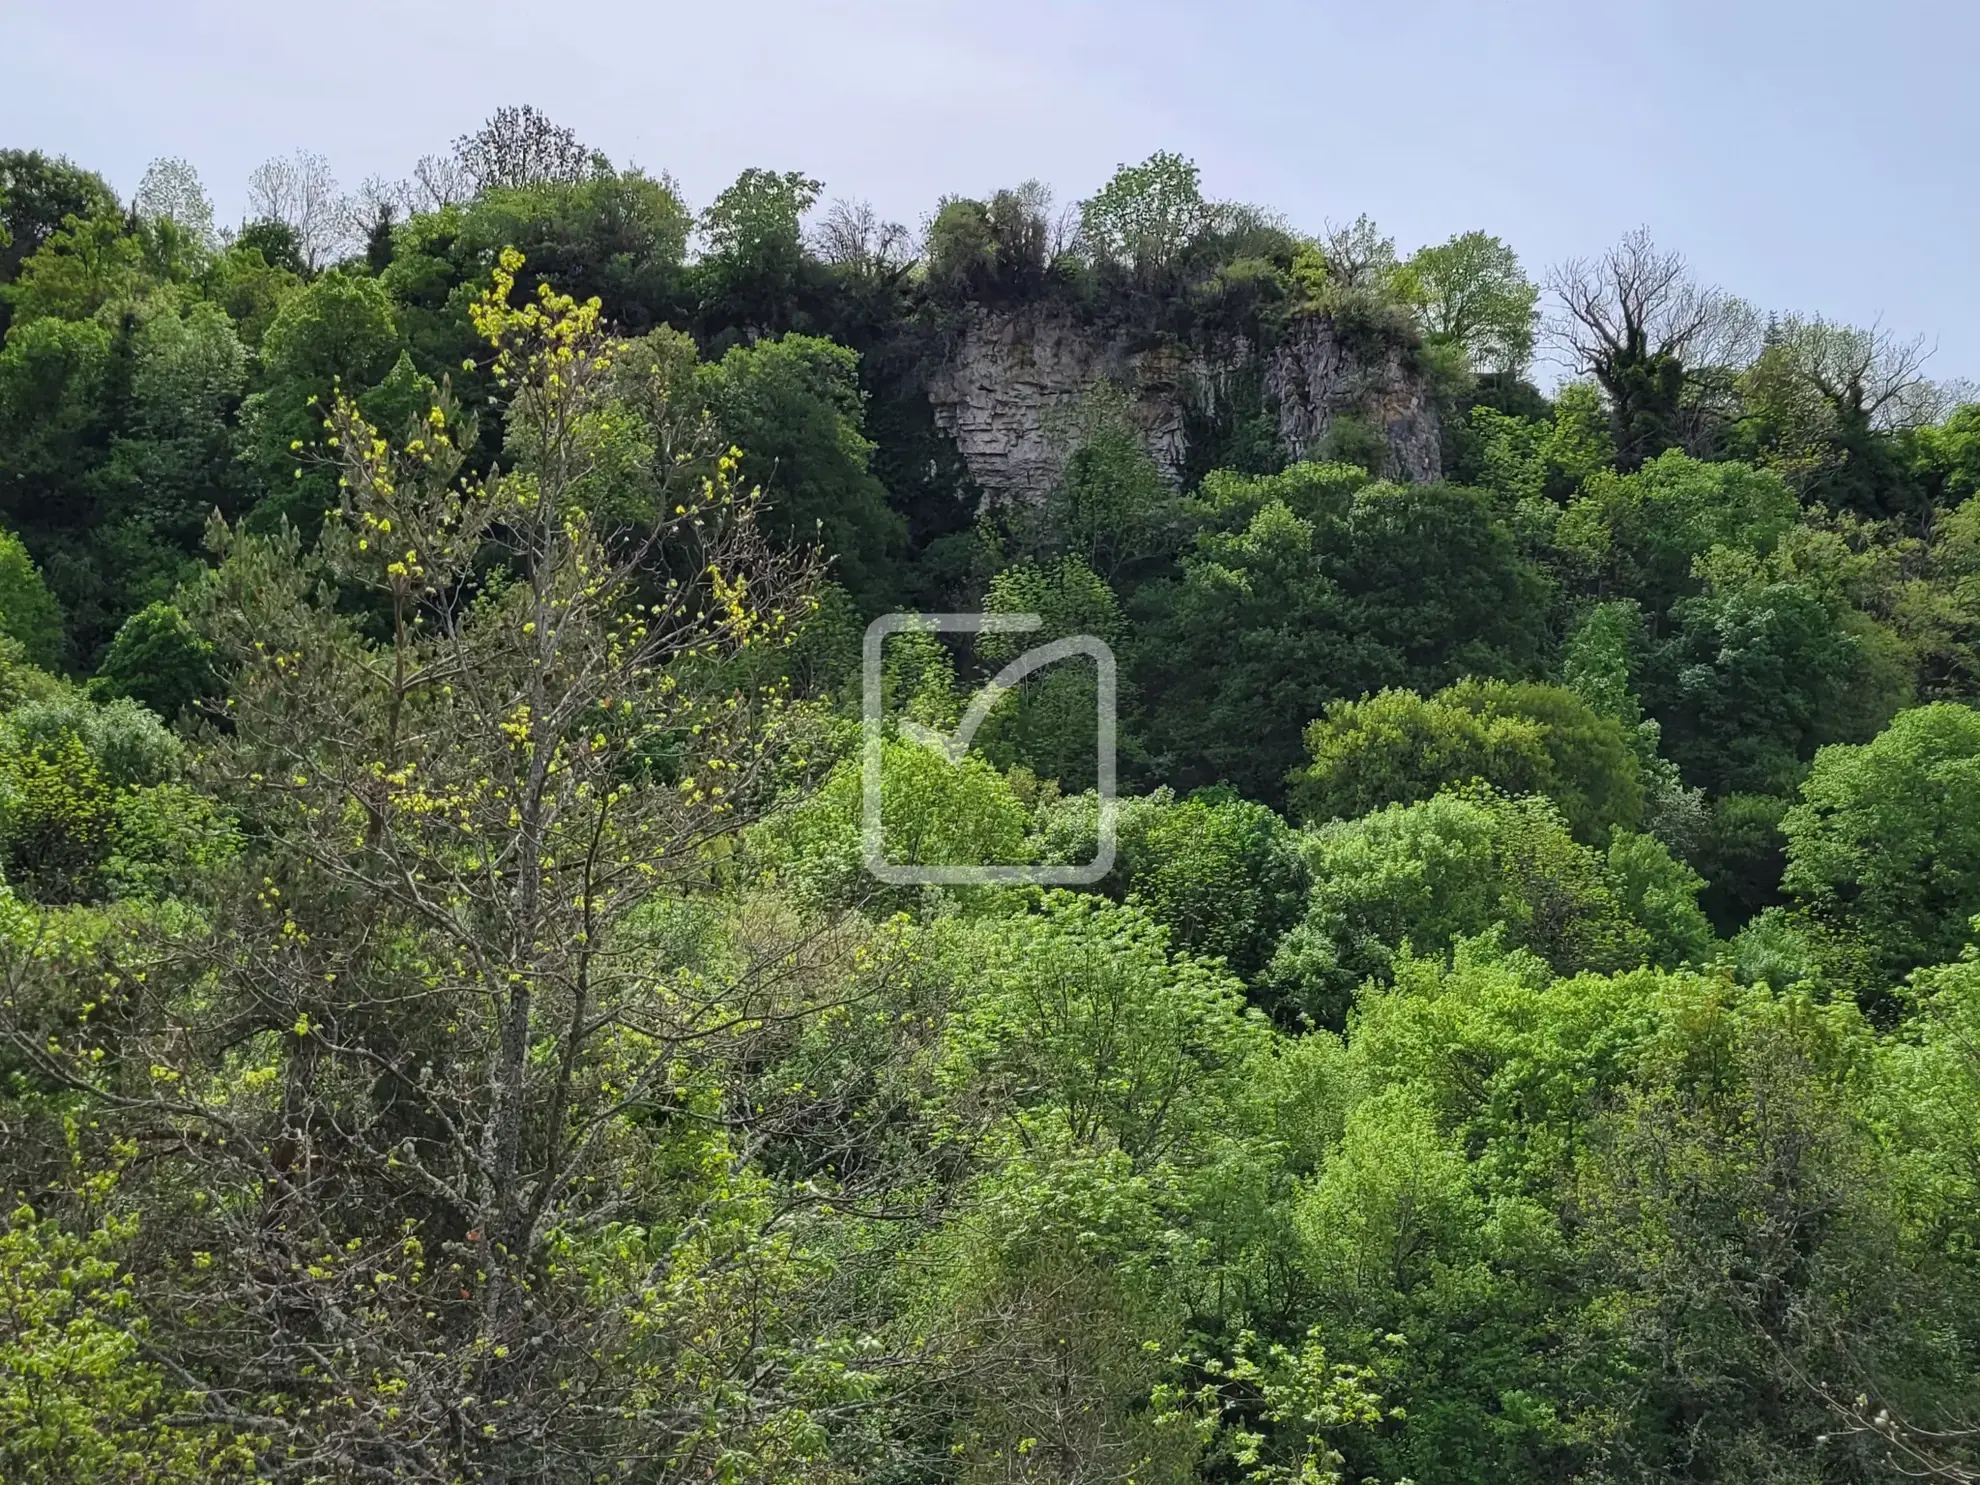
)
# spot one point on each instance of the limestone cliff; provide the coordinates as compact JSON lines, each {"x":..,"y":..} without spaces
{"x":1011,"y":386}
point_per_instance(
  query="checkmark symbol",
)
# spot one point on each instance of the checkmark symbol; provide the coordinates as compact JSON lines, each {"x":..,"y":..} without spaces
{"x":953,"y":747}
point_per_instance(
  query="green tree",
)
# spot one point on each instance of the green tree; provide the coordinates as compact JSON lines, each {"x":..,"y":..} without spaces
{"x":1146,"y":217}
{"x":621,"y":235}
{"x":1047,"y":723}
{"x":1522,"y":738}
{"x":1462,"y":864}
{"x":1473,"y":294}
{"x":794,"y":406}
{"x":159,"y":659}
{"x":78,"y":1400}
{"x":756,"y":274}
{"x":38,"y":194}
{"x":563,"y":719}
{"x":336,"y":334}
{"x":990,"y":251}
{"x":83,"y":267}
{"x":1883,"y":847}
{"x":28,"y":611}
{"x":1308,"y":589}
{"x":1638,"y":535}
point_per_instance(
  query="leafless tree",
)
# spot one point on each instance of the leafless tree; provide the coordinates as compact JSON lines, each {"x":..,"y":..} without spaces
{"x":1867,"y":373}
{"x":375,"y":200}
{"x":854,"y":237}
{"x":438,"y":181}
{"x":1358,"y":255}
{"x":520,"y":147}
{"x":1634,"y":300}
{"x":300,"y":191}
{"x":1665,"y":348}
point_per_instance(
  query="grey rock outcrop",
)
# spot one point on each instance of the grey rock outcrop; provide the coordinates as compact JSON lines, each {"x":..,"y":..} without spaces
{"x":1011,"y":392}
{"x":1315,"y":378}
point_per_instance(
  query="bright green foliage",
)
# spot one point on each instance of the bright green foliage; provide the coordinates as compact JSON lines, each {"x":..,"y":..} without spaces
{"x":1325,"y":592}
{"x":1472,"y":293}
{"x":28,"y":611}
{"x":1637,"y":535}
{"x":91,"y":807}
{"x":1661,"y":893}
{"x":1532,"y":464}
{"x":78,"y":1406}
{"x":158,"y":658}
{"x":1883,"y":848}
{"x":1099,"y":1036}
{"x":1522,"y":738}
{"x":1146,"y":216}
{"x":250,"y":289}
{"x":794,"y":405}
{"x":932,"y":813}
{"x":1047,"y":724}
{"x":1946,"y":456}
{"x":91,"y":262}
{"x":1464,"y":864}
{"x":57,"y":820}
{"x":1924,"y":1102}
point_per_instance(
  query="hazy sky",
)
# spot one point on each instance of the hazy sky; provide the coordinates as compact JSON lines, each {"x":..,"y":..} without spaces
{"x":1806,"y":154}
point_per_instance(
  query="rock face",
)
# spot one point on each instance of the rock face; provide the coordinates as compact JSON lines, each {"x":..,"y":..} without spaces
{"x":1315,"y":378}
{"x":1011,"y":391}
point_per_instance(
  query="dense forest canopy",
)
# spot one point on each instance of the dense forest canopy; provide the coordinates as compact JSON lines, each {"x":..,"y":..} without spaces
{"x":1530,"y":1031}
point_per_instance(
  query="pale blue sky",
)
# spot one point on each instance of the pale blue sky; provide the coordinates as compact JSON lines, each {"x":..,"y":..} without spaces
{"x":1808,"y":155}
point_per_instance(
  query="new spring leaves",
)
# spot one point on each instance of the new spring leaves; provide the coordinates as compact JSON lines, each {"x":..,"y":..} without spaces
{"x":953,"y":747}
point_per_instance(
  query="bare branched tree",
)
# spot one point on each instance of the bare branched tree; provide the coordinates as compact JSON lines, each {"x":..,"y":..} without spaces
{"x":520,"y":147}
{"x":300,"y":192}
{"x":438,"y":181}
{"x":855,"y":238}
{"x":1663,"y":346}
{"x":1634,"y":300}
{"x":1867,"y":373}
{"x":1358,"y":256}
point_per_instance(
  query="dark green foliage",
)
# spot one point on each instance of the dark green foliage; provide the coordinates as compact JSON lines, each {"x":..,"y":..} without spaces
{"x":756,"y":278}
{"x":158,"y":658}
{"x":621,"y":236}
{"x":1308,"y":589}
{"x":794,"y":406}
{"x":277,"y":244}
{"x":1742,"y":859}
